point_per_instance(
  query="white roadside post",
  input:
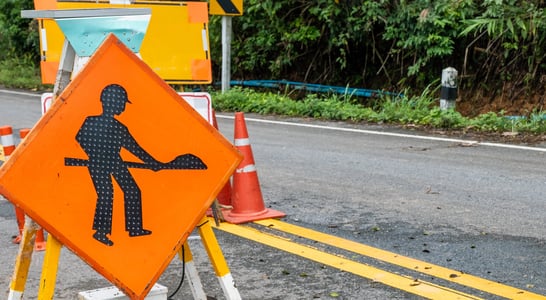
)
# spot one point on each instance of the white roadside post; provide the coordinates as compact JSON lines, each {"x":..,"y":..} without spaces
{"x":448,"y":93}
{"x":226,"y":52}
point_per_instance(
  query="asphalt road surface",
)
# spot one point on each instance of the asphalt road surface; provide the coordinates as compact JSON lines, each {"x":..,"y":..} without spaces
{"x":473,"y":207}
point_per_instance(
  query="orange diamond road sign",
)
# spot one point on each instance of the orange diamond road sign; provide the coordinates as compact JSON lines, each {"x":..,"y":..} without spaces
{"x":119,"y":169}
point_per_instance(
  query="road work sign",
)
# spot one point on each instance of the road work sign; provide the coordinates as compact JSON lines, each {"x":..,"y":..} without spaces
{"x":119,"y":169}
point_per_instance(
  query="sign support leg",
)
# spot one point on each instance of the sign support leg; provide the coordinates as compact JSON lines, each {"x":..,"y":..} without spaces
{"x":24,"y":257}
{"x":218,"y":261}
{"x":22,"y":263}
{"x":66,"y":67}
{"x":49,"y":268}
{"x":193,"y":276}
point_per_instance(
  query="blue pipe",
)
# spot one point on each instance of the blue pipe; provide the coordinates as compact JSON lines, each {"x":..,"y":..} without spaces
{"x":319,"y":88}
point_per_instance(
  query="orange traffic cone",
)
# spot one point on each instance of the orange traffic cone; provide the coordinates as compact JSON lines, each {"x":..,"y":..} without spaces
{"x":20,"y":217}
{"x":8,"y":145}
{"x":19,"y":213}
{"x":224,"y":197}
{"x":246,"y":197}
{"x":39,"y":242}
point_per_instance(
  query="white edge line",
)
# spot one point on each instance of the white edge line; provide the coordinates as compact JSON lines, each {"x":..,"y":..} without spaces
{"x":410,"y":136}
{"x":20,"y":93}
{"x":430,"y":138}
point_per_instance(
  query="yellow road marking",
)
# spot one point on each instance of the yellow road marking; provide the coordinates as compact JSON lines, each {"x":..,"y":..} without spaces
{"x":403,"y":261}
{"x":417,"y":287}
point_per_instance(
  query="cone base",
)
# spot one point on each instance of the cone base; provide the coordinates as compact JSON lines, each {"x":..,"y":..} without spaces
{"x":224,"y":211}
{"x":40,"y":246}
{"x":17,"y":239}
{"x":239,"y":218}
{"x":40,"y":242}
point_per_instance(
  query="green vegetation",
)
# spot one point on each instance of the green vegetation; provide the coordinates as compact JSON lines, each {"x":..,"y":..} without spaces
{"x":419,"y":110}
{"x":18,"y":46}
{"x":497,"y":46}
{"x":16,"y":72}
{"x":18,"y":36}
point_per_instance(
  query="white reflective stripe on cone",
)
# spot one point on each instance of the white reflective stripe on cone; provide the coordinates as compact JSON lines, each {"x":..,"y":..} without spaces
{"x":242,"y":142}
{"x":247,"y":169}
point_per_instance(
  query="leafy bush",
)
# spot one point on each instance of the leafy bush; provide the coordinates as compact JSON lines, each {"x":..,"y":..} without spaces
{"x":312,"y":41}
{"x":392,"y":45}
{"x":426,"y":31}
{"x":509,"y":42}
{"x":18,"y":36}
{"x":377,"y":44}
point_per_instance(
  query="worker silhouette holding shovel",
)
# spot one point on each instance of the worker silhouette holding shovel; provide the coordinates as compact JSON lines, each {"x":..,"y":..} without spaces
{"x":102,"y":137}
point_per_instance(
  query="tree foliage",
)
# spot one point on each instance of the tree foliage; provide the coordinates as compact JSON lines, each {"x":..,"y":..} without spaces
{"x":498,"y":46}
{"x":390,"y":44}
{"x":18,"y":36}
{"x":508,"y":43}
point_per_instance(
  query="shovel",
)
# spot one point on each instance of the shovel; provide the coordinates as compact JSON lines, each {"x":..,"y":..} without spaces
{"x":181,"y":162}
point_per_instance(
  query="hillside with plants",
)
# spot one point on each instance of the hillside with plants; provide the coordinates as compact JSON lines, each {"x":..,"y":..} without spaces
{"x":497,"y":46}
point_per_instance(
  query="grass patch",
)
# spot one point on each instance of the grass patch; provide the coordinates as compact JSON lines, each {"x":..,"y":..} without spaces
{"x":20,"y":73}
{"x":422,"y":110}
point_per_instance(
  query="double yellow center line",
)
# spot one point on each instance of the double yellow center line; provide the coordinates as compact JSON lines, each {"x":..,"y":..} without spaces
{"x":405,"y":283}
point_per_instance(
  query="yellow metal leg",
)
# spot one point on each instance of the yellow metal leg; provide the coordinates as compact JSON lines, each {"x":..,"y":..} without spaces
{"x":218,"y":261}
{"x":22,"y":263}
{"x":49,"y":268}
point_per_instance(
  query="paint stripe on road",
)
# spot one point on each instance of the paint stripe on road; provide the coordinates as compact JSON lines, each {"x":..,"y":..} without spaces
{"x":458,"y":277}
{"x":21,"y":93}
{"x":392,"y":134}
{"x":363,"y":131}
{"x":408,"y":284}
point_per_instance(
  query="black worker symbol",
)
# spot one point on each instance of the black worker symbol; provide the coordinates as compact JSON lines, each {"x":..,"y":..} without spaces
{"x":102,"y":137}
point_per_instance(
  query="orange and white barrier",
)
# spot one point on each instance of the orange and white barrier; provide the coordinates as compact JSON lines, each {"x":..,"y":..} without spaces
{"x":201,"y":102}
{"x":6,"y":139}
{"x":246,"y":197}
